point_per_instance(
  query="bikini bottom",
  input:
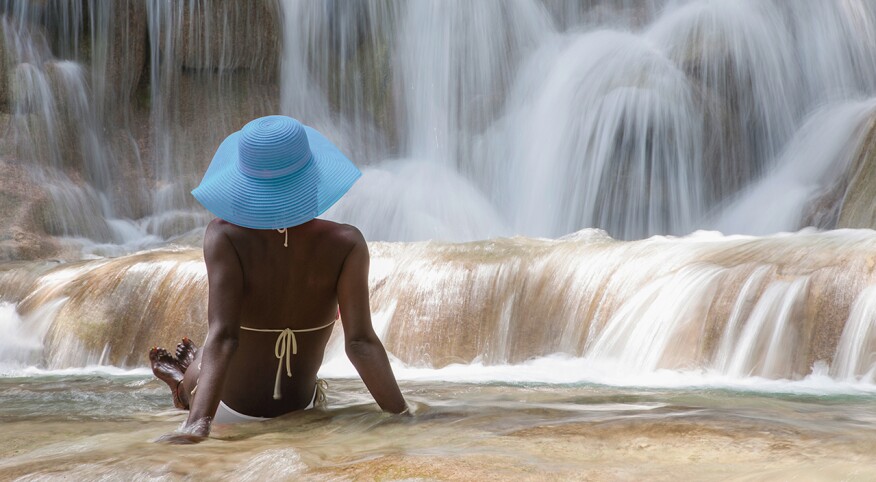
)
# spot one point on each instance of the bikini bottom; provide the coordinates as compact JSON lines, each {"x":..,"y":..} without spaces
{"x":228,"y":415}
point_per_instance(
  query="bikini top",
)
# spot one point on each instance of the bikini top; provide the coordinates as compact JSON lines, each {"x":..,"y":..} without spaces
{"x":285,"y":347}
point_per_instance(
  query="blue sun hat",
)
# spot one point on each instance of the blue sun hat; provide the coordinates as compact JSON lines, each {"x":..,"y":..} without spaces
{"x":275,"y":173}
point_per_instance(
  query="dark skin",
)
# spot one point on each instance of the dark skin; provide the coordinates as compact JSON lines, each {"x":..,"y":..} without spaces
{"x":256,"y":282}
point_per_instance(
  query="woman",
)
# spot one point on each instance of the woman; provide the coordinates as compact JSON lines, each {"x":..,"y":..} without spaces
{"x":278,"y":279}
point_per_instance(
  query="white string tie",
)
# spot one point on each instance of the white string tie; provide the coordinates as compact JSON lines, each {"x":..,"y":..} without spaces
{"x":285,"y":347}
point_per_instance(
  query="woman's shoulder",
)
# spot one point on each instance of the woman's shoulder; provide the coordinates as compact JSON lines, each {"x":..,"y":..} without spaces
{"x":345,"y":234}
{"x":328,"y":234}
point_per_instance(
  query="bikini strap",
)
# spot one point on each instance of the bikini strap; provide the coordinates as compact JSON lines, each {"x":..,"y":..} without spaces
{"x":286,"y":346}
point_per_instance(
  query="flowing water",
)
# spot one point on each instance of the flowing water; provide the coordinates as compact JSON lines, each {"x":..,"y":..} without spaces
{"x":544,"y":117}
{"x":613,"y":337}
{"x":708,"y":356}
{"x":98,"y":425}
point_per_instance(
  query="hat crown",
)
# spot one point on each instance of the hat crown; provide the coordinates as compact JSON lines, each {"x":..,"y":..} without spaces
{"x":273,"y":146}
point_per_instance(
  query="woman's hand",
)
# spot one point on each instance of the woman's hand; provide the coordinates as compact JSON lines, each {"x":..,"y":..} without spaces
{"x":192,"y":433}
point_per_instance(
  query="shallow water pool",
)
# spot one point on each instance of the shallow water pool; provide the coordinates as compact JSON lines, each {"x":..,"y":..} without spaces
{"x":100,"y":425}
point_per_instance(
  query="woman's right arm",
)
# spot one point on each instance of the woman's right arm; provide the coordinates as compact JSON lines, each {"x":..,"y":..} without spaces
{"x":363,"y":348}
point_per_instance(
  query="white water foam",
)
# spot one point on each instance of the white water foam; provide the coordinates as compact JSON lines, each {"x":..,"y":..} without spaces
{"x":17,"y":345}
{"x":89,"y":370}
{"x":560,"y":369}
{"x":556,"y":369}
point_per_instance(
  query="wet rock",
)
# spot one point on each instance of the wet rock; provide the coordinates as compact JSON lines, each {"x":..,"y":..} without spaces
{"x":4,"y":70}
{"x":206,"y":109}
{"x":28,"y":246}
{"x":858,"y":209}
{"x":567,"y":14}
{"x":23,"y":206}
{"x":227,"y":35}
{"x":367,"y":72}
{"x":125,"y":57}
{"x":125,"y":306}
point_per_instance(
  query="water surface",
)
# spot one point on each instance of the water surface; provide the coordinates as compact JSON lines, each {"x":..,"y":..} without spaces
{"x":99,"y":423}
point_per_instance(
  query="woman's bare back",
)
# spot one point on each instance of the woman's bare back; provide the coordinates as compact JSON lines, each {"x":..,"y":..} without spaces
{"x":287,"y":283}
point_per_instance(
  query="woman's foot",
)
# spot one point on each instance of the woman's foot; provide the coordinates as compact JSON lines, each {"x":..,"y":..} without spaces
{"x":168,"y":369}
{"x":185,"y":353}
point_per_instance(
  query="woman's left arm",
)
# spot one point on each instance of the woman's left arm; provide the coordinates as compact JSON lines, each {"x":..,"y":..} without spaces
{"x":225,"y":278}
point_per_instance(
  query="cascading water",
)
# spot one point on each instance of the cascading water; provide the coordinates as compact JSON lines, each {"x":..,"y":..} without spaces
{"x":855,"y":351}
{"x":471,"y":120}
{"x":809,"y":171}
{"x":771,"y":307}
{"x":596,"y":122}
{"x":638,"y":131}
{"x":548,"y":117}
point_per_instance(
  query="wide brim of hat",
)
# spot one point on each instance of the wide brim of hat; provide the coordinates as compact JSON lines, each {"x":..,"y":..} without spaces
{"x":279,"y":202}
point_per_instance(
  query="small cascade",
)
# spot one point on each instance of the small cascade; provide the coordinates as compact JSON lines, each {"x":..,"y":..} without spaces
{"x":766,"y":343}
{"x":653,"y":329}
{"x":739,"y":307}
{"x":856,"y":353}
{"x":109,"y":311}
{"x":747,"y":296}
{"x":102,"y":138}
{"x":53,"y":123}
{"x":21,"y":343}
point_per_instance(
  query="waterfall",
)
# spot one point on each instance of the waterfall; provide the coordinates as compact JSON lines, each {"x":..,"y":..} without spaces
{"x":772,"y":307}
{"x":545,"y":116}
{"x":809,"y":170}
{"x":610,"y":126}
